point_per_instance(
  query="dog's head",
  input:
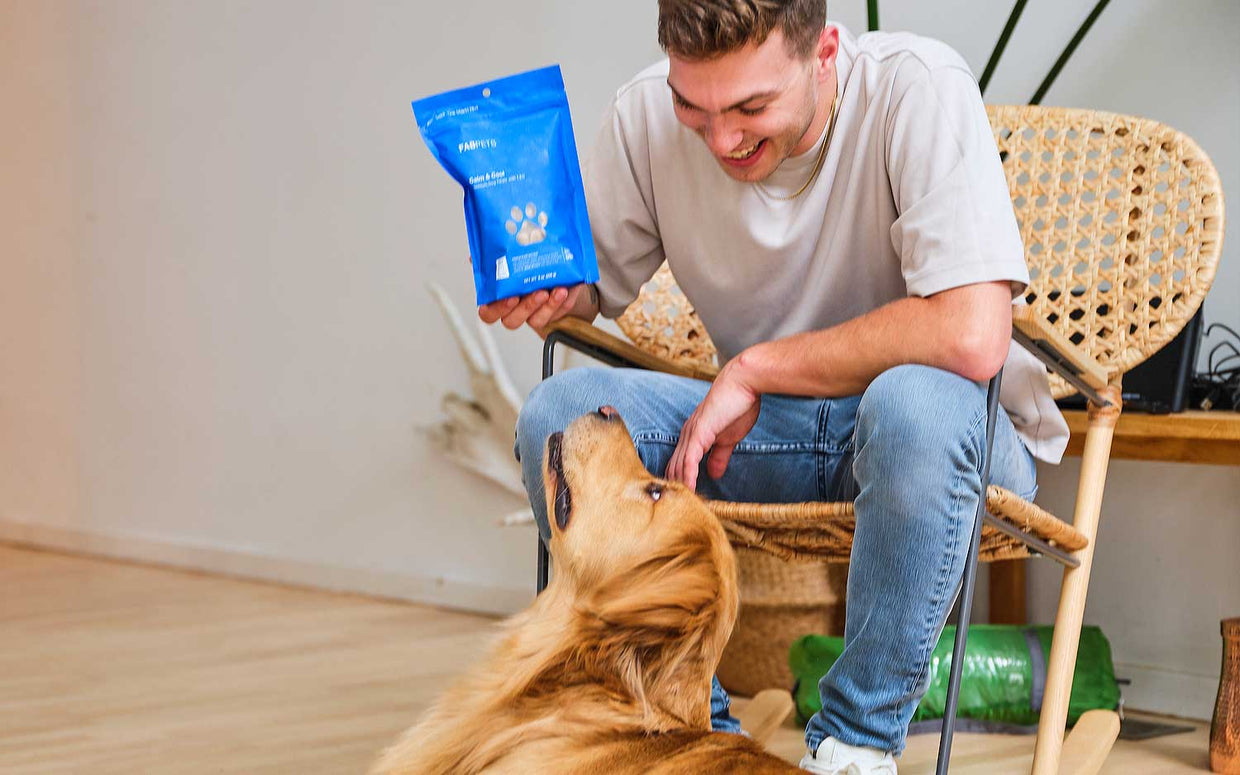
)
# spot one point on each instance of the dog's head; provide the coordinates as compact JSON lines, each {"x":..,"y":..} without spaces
{"x":647,"y":563}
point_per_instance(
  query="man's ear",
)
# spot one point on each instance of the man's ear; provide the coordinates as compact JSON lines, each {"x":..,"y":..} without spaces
{"x":825,"y":52}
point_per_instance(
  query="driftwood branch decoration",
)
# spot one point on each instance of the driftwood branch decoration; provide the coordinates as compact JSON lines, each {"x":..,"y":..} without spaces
{"x":478,"y":434}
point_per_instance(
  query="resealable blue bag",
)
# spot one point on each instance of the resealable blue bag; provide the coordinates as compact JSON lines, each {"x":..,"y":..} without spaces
{"x":509,"y":143}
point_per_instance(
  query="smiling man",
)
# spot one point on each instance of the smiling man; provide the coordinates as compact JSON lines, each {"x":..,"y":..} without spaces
{"x":835,"y":209}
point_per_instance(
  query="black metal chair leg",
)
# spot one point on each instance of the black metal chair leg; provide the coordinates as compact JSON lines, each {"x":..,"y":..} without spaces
{"x":542,"y":565}
{"x":970,"y":579}
{"x":548,"y":367}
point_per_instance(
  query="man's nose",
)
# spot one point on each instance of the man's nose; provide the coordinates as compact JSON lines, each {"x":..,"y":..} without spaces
{"x":722,"y":136}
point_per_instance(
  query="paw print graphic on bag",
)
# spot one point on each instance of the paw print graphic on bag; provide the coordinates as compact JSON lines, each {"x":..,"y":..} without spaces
{"x":529,"y":227}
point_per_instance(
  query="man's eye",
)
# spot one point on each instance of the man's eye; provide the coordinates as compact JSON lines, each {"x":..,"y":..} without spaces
{"x":751,"y":111}
{"x":680,"y":103}
{"x":654,"y":490}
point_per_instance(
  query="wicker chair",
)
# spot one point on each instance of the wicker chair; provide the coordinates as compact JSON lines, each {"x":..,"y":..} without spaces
{"x":1122,"y":223}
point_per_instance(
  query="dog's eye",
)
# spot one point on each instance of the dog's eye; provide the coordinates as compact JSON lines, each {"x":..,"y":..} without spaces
{"x":654,"y":490}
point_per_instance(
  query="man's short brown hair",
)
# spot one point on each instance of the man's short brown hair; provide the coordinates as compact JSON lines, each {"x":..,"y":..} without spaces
{"x":705,"y":29}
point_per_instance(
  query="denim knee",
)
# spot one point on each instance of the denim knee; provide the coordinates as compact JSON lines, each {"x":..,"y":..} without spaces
{"x":538,"y":414}
{"x":914,"y":410}
{"x":552,"y":405}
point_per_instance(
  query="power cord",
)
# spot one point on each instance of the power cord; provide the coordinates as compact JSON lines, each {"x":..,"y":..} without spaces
{"x":1218,"y":387}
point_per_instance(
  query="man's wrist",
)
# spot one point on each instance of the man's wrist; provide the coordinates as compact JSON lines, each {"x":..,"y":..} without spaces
{"x":750,"y":368}
{"x":585,"y":304}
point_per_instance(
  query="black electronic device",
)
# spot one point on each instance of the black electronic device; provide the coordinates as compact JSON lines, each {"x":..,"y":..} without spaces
{"x":1162,"y":383}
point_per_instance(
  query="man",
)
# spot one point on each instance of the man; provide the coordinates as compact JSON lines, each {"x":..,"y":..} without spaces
{"x":836,"y":211}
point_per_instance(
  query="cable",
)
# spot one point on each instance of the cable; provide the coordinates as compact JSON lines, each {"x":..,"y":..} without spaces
{"x":1218,"y":387}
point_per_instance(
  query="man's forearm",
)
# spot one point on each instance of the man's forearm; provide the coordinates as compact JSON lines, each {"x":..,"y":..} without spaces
{"x":965,"y":331}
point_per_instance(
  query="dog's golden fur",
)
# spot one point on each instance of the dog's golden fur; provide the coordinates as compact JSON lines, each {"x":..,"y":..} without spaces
{"x":610,"y":669}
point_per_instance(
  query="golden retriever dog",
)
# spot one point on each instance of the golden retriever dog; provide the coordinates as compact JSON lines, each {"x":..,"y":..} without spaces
{"x":609,"y":670}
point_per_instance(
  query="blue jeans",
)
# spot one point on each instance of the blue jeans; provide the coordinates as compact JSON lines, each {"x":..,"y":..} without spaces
{"x":907,"y":452}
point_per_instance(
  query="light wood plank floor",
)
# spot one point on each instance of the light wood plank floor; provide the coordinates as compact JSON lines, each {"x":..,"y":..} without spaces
{"x":107,"y":667}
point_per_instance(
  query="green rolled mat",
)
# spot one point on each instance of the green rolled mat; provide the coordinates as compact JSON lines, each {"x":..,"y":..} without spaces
{"x":1001,"y":686}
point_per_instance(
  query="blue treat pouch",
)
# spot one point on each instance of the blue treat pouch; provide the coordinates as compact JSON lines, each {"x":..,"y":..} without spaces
{"x":509,"y":143}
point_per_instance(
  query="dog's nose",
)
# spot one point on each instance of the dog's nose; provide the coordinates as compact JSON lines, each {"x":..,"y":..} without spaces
{"x":608,"y":412}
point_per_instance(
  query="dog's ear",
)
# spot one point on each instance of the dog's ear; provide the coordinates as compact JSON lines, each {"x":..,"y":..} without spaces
{"x":664,"y":596}
{"x":659,"y":627}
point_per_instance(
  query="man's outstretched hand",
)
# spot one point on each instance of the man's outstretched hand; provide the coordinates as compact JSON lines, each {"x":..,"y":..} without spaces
{"x":541,"y":307}
{"x":538,"y":308}
{"x":724,"y":417}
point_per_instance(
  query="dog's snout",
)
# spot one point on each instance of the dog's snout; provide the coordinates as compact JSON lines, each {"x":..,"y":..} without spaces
{"x":608,"y":412}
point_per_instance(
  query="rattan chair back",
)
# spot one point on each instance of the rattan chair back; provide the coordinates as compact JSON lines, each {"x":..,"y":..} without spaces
{"x":662,"y":322}
{"x":1122,"y":223}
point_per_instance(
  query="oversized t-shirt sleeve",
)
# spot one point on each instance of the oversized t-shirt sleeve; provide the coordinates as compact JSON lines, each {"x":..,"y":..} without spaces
{"x":620,"y":198}
{"x":955,"y":225}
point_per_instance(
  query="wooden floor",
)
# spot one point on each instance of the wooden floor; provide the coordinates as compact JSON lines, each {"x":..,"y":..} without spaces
{"x":107,"y":667}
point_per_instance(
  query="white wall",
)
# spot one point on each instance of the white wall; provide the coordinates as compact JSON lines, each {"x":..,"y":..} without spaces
{"x":39,"y":304}
{"x":217,"y":219}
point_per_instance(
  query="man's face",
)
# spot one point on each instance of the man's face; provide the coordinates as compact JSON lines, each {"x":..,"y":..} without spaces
{"x":754,"y":106}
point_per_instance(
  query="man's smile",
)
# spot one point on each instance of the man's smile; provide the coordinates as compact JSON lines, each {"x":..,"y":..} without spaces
{"x":747,"y":156}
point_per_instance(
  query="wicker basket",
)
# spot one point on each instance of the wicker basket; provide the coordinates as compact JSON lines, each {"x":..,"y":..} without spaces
{"x":780,"y":602}
{"x":1225,"y":729}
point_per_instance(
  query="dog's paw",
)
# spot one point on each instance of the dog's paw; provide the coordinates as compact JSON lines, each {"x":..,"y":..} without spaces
{"x":528,"y":226}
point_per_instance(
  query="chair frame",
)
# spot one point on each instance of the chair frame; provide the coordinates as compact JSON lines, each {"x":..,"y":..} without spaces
{"x":564,"y":333}
{"x":1102,"y":417}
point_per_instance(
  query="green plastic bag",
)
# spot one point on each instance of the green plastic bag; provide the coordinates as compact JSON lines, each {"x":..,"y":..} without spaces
{"x":1001,"y":686}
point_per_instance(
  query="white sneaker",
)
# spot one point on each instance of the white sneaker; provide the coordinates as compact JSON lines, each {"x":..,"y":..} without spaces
{"x":836,"y":758}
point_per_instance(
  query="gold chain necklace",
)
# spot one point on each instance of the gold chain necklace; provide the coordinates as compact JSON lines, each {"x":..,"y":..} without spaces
{"x":822,"y":155}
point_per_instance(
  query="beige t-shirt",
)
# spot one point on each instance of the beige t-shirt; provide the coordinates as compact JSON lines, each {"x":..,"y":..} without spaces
{"x":911,"y":200}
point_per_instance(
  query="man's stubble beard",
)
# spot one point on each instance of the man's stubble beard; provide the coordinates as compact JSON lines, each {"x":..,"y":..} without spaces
{"x":784,"y":148}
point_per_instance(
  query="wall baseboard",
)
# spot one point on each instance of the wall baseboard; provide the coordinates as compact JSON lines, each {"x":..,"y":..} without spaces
{"x":1171,"y":692}
{"x":244,"y":564}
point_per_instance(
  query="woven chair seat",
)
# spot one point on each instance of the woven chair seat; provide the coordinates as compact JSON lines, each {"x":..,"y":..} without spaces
{"x":817,"y":532}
